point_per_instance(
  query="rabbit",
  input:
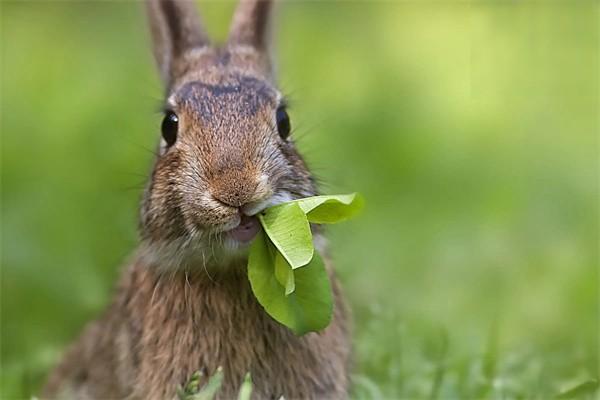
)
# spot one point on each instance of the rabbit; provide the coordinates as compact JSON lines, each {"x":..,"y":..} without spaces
{"x":184,"y":303}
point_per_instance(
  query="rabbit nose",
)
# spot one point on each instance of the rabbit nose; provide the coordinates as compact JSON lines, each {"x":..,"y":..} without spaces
{"x":234,"y":188}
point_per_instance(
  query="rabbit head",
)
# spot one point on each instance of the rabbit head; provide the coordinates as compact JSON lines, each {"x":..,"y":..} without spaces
{"x":225,"y":152}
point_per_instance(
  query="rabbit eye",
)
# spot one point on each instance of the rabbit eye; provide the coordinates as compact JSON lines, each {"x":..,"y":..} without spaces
{"x":283,"y":122}
{"x":169,"y":128}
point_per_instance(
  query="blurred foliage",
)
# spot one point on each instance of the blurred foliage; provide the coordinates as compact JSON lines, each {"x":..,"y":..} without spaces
{"x":470,"y":127}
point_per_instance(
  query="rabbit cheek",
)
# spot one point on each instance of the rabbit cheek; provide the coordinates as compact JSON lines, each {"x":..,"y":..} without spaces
{"x":162,"y":216}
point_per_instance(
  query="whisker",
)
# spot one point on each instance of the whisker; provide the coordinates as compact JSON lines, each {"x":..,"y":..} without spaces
{"x":204,"y":263}
{"x":156,"y":285}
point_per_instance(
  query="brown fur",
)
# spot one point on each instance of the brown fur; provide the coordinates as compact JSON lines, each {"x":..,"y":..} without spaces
{"x":161,"y":328}
{"x":184,"y":303}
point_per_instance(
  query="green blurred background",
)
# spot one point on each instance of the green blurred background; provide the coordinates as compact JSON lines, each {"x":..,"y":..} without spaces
{"x":470,"y":127}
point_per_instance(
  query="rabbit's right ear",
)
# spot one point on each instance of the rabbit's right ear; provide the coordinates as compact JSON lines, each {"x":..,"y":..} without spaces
{"x":176,"y":28}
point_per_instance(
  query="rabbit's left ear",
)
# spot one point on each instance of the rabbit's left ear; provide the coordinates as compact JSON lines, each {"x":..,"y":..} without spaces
{"x":176,"y":28}
{"x":251,"y":26}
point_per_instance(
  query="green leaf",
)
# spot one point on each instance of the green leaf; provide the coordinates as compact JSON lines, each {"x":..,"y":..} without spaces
{"x":284,"y":274}
{"x":246,"y":389}
{"x":299,"y":298}
{"x":209,"y":391}
{"x":308,"y":308}
{"x":289,"y":230}
{"x":331,"y":209}
{"x":585,"y":388}
{"x":191,"y":388}
{"x":193,"y":391}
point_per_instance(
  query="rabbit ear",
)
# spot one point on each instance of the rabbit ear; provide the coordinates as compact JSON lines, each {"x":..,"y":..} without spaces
{"x":176,"y":28}
{"x":250,"y":24}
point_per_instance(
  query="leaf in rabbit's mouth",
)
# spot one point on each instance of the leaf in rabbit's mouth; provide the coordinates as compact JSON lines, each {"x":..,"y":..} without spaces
{"x":287,"y":275}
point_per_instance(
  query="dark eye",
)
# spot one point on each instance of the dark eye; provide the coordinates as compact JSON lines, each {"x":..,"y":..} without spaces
{"x":283,"y":122}
{"x":169,"y":128}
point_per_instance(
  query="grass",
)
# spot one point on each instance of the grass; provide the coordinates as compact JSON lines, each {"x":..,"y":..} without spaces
{"x":470,"y":127}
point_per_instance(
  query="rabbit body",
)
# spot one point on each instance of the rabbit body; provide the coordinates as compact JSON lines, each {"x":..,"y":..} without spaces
{"x":162,"y":328}
{"x":184,"y":303}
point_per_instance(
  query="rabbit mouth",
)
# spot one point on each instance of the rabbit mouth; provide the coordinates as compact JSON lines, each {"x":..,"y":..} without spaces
{"x":247,"y":229}
{"x":249,"y":226}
